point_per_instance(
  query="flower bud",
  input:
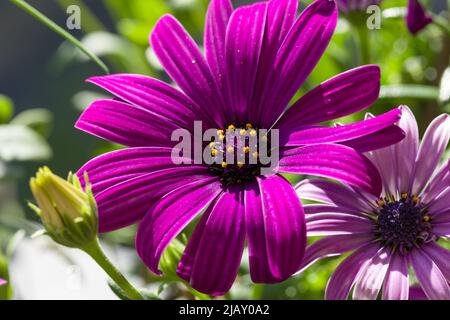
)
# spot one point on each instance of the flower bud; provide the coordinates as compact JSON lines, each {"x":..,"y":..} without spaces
{"x":68,"y":213}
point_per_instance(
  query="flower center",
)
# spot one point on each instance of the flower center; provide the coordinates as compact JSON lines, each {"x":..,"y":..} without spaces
{"x":236,"y":154}
{"x":403,"y":224}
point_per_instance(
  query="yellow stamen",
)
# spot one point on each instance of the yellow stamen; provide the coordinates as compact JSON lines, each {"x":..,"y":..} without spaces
{"x":380,"y":203}
{"x":248,"y":126}
{"x":426,"y":218}
{"x":230,"y":150}
{"x":221,"y":137}
{"x":253,"y":133}
{"x":415,"y":199}
{"x":240,"y":164}
{"x":224,"y":164}
{"x":212,"y":145}
{"x":255,"y":154}
{"x":213,"y":152}
{"x":404,"y":195}
{"x":231,"y":127}
{"x":243,"y":132}
{"x":246,"y":149}
{"x":220,"y":132}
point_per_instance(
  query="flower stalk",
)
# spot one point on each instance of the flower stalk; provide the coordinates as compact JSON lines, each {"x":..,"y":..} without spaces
{"x":95,"y":251}
{"x":57,"y":29}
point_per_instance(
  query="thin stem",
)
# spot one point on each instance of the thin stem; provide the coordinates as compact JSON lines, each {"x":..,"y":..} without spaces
{"x":53,"y":26}
{"x":95,"y":251}
{"x":364,"y":43}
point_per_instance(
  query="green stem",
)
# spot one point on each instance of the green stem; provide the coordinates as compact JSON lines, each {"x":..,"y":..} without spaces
{"x":53,"y":26}
{"x":95,"y":251}
{"x":364,"y":43}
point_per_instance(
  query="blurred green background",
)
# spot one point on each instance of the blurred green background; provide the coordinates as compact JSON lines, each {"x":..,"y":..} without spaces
{"x":38,"y":69}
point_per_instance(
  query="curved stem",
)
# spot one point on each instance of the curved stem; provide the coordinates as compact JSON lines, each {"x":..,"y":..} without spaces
{"x":95,"y":251}
{"x":53,"y":26}
{"x":364,"y":43}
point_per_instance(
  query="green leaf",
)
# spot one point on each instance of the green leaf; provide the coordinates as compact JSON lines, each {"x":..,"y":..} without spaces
{"x":53,"y":26}
{"x":444,"y":90}
{"x":20,"y":143}
{"x":6,"y":108}
{"x":39,"y":120}
{"x":414,"y":91}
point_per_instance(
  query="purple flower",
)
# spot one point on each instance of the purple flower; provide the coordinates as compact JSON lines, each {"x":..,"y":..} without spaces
{"x":356,"y":5}
{"x":416,"y":17}
{"x":256,"y":58}
{"x":391,"y":233}
{"x":3,"y":282}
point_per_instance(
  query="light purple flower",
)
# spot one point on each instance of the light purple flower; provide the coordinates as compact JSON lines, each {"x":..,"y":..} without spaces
{"x":356,"y":5}
{"x":401,"y":229}
{"x":256,"y":58}
{"x":416,"y":17}
{"x":3,"y":282}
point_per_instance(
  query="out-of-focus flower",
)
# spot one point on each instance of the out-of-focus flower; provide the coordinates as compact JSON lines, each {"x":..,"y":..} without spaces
{"x":3,"y":282}
{"x":68,"y":213}
{"x":356,"y":5}
{"x":391,"y":233}
{"x":257,"y":57}
{"x":416,"y":17}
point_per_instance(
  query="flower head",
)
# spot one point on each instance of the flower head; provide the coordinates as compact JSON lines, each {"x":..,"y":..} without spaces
{"x":69,"y":213}
{"x":416,"y":17}
{"x":389,"y":233}
{"x":256,"y":58}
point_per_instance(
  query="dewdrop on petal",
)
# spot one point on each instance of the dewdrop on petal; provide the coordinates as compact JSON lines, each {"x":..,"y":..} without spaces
{"x":68,"y":213}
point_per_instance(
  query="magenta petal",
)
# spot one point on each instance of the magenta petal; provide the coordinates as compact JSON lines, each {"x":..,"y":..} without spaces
{"x":440,"y":256}
{"x":333,"y":246}
{"x":281,"y":15}
{"x":396,"y":284}
{"x":348,"y":271}
{"x":416,"y":293}
{"x":126,"y":124}
{"x":260,"y":271}
{"x":416,"y":17}
{"x":168,"y":217}
{"x":333,"y":161}
{"x":431,"y":279}
{"x":335,"y":223}
{"x":153,"y":95}
{"x":119,"y":166}
{"x":184,"y":62}
{"x":345,"y":94}
{"x":334,"y":194}
{"x":276,"y":230}
{"x":438,"y":184}
{"x":431,"y":149}
{"x":217,"y":17}
{"x":305,"y":42}
{"x":377,"y":140}
{"x":315,"y":135}
{"x":371,"y":278}
{"x":244,"y":39}
{"x":221,"y":245}
{"x":125,"y":203}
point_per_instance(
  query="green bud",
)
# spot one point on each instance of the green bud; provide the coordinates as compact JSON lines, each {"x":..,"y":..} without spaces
{"x":68,"y":213}
{"x":170,"y":259}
